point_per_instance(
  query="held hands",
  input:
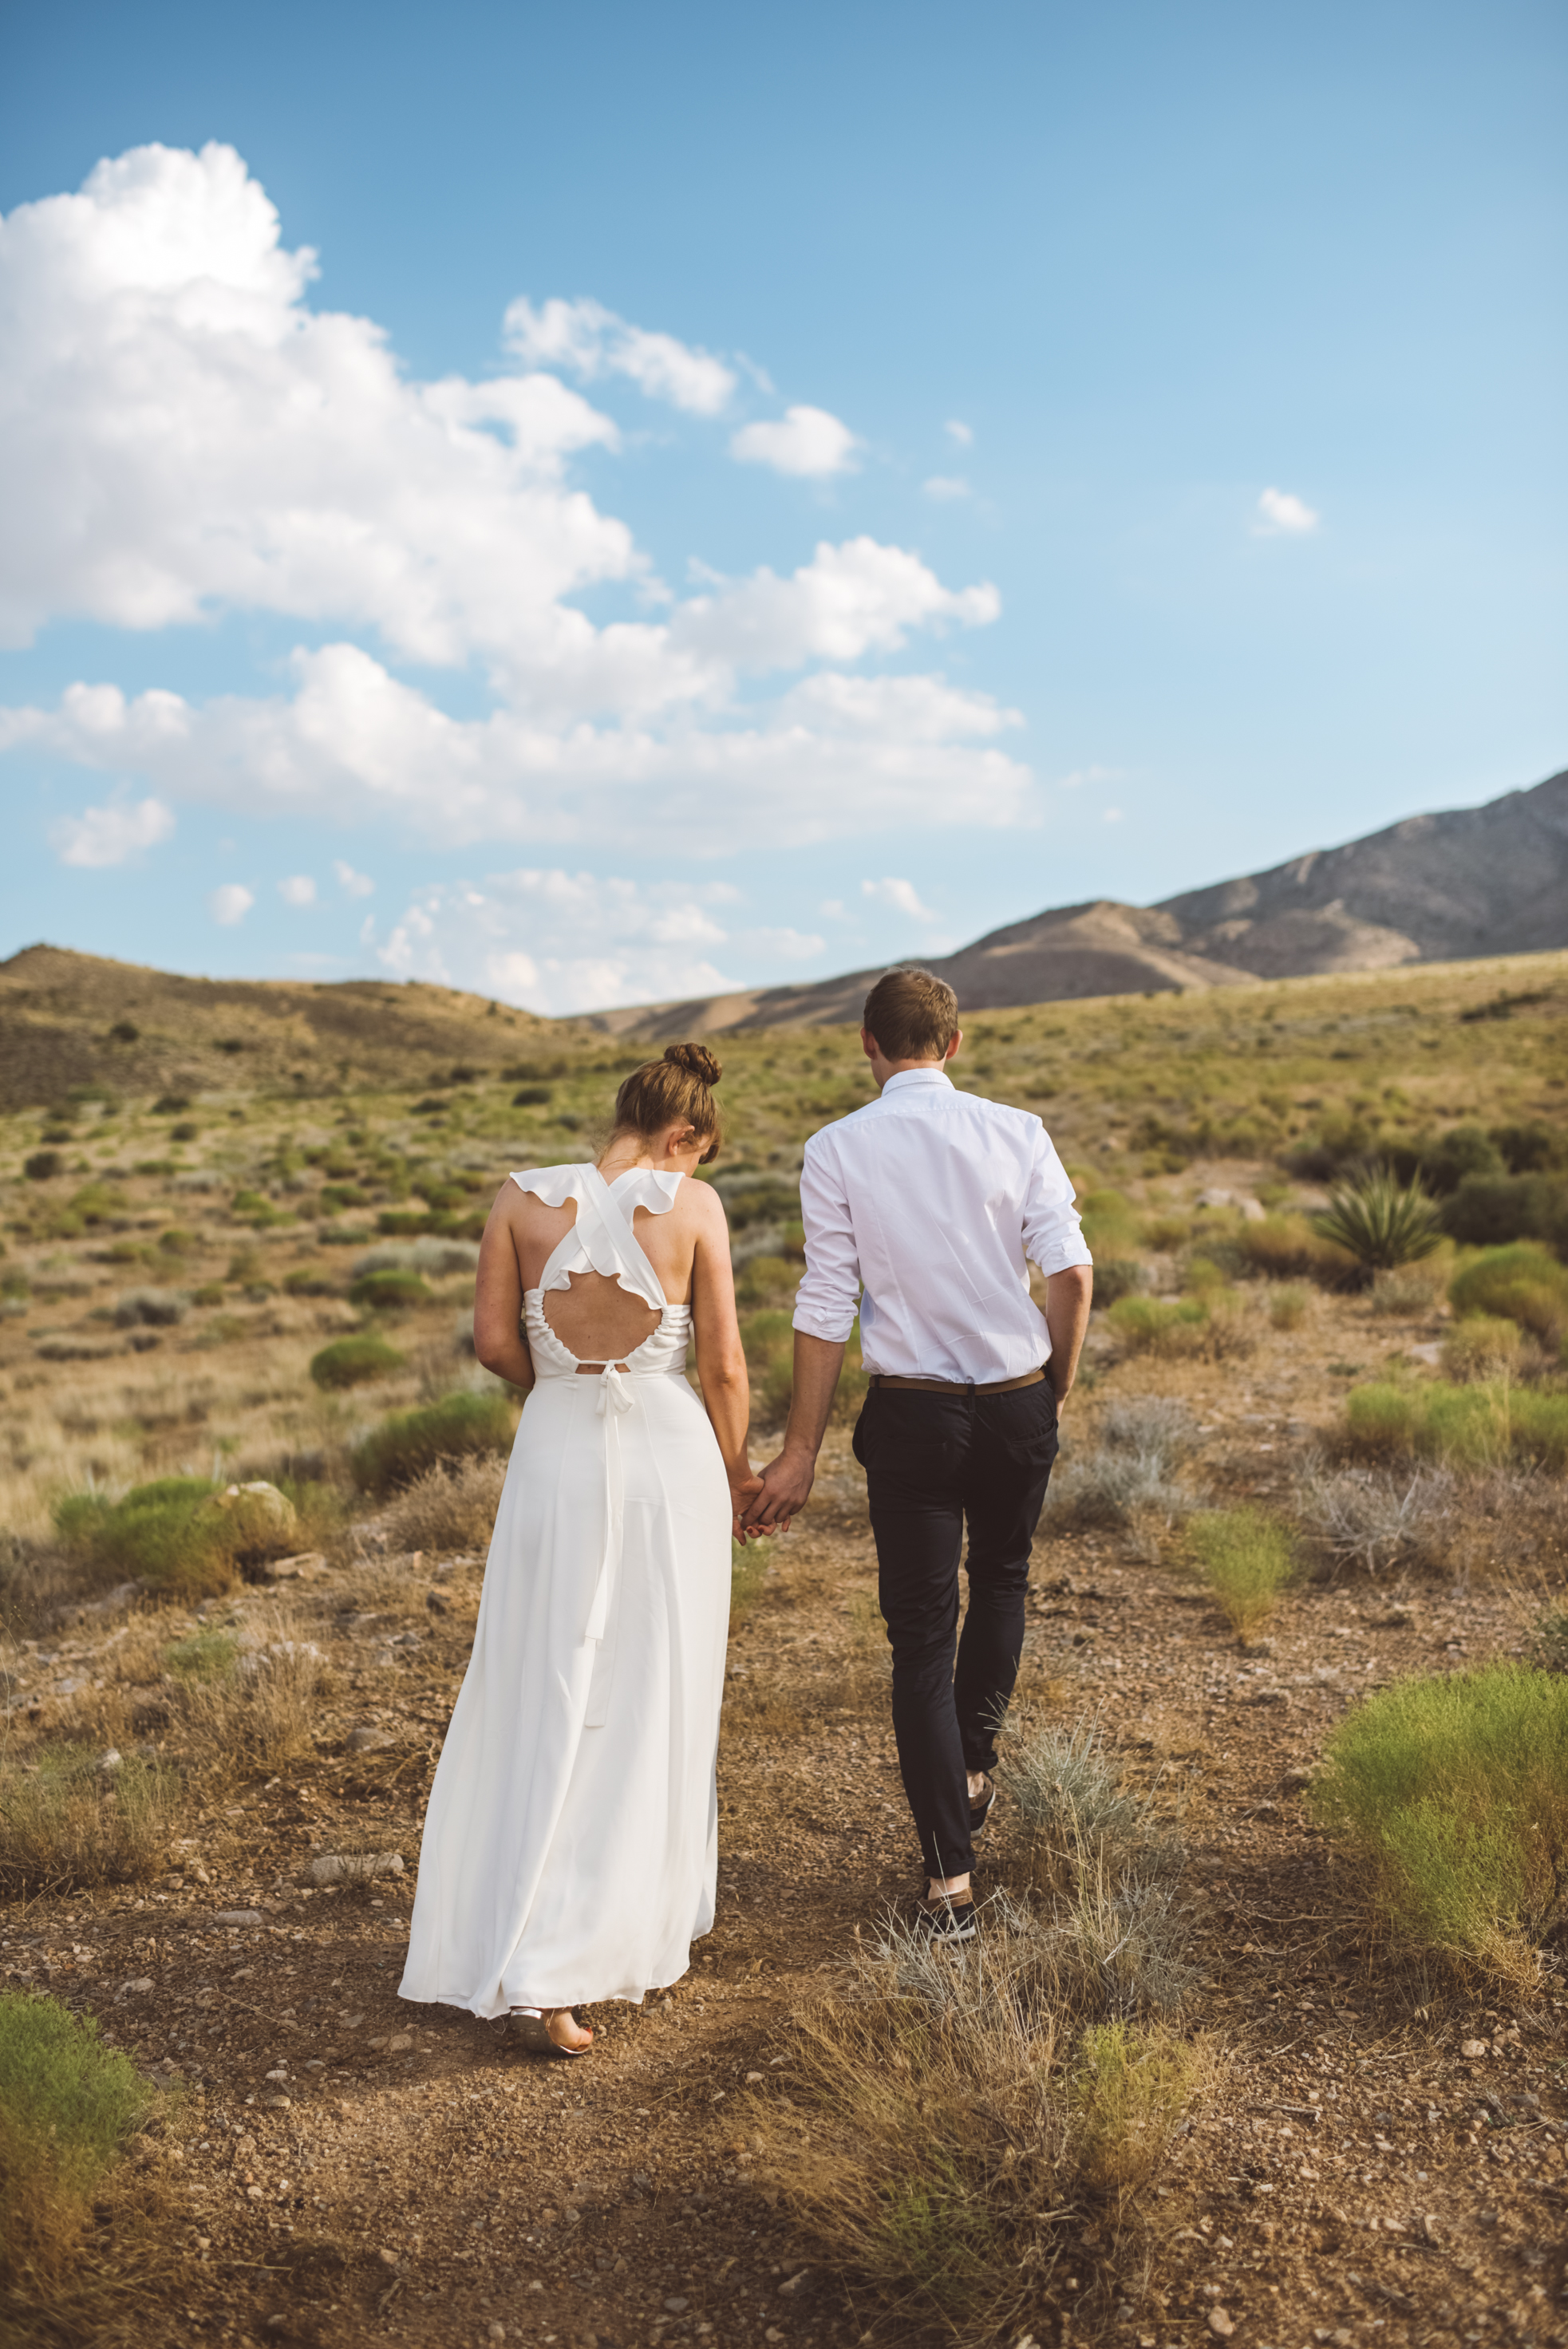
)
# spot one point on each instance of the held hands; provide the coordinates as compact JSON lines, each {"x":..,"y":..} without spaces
{"x":744,"y":1490}
{"x":785,"y":1488}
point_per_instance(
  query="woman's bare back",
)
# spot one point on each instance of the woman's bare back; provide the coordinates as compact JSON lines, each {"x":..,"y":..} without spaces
{"x":593,"y":1317}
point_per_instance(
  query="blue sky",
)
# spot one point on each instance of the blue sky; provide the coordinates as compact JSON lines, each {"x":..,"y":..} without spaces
{"x":740,"y":494}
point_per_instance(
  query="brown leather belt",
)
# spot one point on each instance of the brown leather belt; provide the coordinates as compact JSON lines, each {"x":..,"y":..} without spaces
{"x":957,"y":1386}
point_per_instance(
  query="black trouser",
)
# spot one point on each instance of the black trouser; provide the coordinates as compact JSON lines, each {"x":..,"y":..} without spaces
{"x":931,"y":1461}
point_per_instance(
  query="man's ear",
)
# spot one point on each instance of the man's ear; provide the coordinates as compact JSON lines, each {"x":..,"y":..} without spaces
{"x":951,"y":1052}
{"x":869,"y":1045}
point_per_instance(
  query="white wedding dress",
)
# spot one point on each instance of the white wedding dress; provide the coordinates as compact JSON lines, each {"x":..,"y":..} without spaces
{"x":570,"y":1845}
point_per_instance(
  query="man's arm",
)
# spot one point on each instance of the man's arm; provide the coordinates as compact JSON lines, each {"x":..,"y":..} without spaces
{"x":787,"y":1481}
{"x":1067,"y":1297}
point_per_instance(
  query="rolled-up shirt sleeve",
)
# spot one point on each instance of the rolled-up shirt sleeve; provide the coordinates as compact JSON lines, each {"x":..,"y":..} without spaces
{"x":828,"y":1297}
{"x":1053,"y":1233}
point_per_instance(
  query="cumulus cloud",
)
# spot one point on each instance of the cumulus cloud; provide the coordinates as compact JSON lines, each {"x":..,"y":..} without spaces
{"x":956,"y":430}
{"x":230,"y":904}
{"x":1281,"y":515}
{"x":352,"y":884}
{"x":805,"y":441}
{"x":111,"y":834}
{"x":182,"y":436}
{"x":902,"y":895}
{"x":946,"y":487}
{"x":300,"y":889}
{"x":592,"y":341}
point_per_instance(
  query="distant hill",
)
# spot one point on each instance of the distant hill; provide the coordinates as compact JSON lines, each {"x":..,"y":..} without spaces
{"x":1470,"y":882}
{"x":69,"y":1020}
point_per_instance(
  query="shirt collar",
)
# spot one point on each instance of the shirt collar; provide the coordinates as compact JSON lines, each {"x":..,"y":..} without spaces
{"x":932,"y":1076}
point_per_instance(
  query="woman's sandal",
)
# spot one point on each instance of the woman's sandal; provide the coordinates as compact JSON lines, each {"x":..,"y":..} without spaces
{"x":529,"y":2024}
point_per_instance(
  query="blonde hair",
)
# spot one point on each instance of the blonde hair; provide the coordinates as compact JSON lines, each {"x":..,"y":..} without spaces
{"x":675,"y":1090}
{"x":913,"y":1014}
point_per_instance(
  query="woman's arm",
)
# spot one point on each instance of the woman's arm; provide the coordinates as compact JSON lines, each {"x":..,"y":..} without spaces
{"x":720,"y":1358}
{"x":498,"y":1339}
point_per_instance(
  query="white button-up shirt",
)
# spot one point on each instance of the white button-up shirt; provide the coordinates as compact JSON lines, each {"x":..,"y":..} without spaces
{"x":932,"y":1200}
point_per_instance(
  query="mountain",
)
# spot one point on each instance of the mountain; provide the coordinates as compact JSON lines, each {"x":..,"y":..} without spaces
{"x":1472,"y":882}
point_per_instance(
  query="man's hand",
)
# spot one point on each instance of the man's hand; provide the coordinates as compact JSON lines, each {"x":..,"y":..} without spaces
{"x":786,"y":1488}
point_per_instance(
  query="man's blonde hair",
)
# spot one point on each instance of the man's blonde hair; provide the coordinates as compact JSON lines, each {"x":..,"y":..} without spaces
{"x":913,"y":1014}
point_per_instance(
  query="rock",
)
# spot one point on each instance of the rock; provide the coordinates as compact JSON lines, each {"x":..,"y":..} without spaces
{"x":1220,"y":2323}
{"x":299,"y":1569}
{"x":399,"y":2043}
{"x":388,"y":2259}
{"x":1429,"y":2227}
{"x":354,"y":1866}
{"x":109,"y":1761}
{"x":236,"y":1917}
{"x":795,"y":2284}
{"x":752,"y":2077}
{"x":281,"y":2073}
{"x":368,"y":1739}
{"x":1296,"y":1781}
{"x":677,"y":2306}
{"x":1474,"y":2049}
{"x":253,"y":2193}
{"x":138,"y":1988}
{"x":279,"y":2103}
{"x":437,"y":1603}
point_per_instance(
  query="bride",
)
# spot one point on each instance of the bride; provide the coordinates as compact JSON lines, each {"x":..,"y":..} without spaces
{"x":570,"y":1846}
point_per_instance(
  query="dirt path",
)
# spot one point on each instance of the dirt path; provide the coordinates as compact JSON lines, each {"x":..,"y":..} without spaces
{"x":344,"y":2169}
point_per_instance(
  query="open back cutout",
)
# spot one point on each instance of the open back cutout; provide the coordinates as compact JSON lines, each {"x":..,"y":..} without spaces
{"x":598,"y":1319}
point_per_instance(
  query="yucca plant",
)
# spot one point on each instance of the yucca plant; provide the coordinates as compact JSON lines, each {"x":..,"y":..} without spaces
{"x":1379,"y":1220}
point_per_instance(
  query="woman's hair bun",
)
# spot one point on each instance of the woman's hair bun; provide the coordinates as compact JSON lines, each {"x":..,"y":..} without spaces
{"x":696,"y":1059}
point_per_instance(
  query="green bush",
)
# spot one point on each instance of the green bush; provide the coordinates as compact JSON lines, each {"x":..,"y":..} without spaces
{"x":1379,"y":1221}
{"x":1118,"y":1277}
{"x":766,"y":1276}
{"x":1464,"y":1152}
{"x":1523,"y":1283}
{"x":170,"y":1533}
{"x":389,"y":1292}
{"x":1286,"y":1247}
{"x":1486,"y":1210}
{"x":68,"y":2104}
{"x":1110,"y":1225}
{"x":1246,"y":1559}
{"x":1454,"y":1793}
{"x":1287,"y":1307}
{"x":1474,"y":1426}
{"x":1148,"y":1326}
{"x":355,"y":1361}
{"x":1481,"y":1348}
{"x":768,"y":1337}
{"x":42,"y":1165}
{"x":309,"y":1280}
{"x":409,"y":1442}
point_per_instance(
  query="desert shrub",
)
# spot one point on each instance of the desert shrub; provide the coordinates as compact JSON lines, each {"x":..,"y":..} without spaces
{"x":764,"y":1279}
{"x":309,"y":1280}
{"x":1110,"y":1225}
{"x":68,"y":2104}
{"x":1481,"y":1348}
{"x":1118,"y":1277}
{"x":451,"y":1506}
{"x":1370,"y":1517}
{"x":168,"y":1533}
{"x":1489,"y":1210}
{"x":1379,"y":1221}
{"x":1147,"y":1325}
{"x":355,"y":1361}
{"x":1533,"y":1148}
{"x":408,"y":1443}
{"x":1523,"y":1283}
{"x":390,"y":1291}
{"x":1132,"y":1472}
{"x":1165,"y":1234}
{"x":1464,"y":1151}
{"x":1477,"y":1426}
{"x":1286,"y":1247}
{"x":1129,"y":2092}
{"x":1453,"y":1794}
{"x":430,"y":1255}
{"x":1287,"y":1307}
{"x":258,"y":1706}
{"x":1246,"y":1559}
{"x":158,"y":1308}
{"x":42,"y":1165}
{"x":1413,"y":1288}
{"x":71,"y":1816}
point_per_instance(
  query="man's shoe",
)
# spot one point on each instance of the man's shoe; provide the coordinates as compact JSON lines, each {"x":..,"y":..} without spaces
{"x":980,"y":1810}
{"x":949,"y":1922}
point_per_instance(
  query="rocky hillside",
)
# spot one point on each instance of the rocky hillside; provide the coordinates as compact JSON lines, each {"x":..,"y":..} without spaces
{"x":1437,"y":888}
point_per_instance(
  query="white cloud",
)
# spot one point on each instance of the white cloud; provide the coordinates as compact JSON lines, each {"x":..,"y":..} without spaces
{"x":300,"y":889}
{"x":352,"y":884}
{"x":180,"y":436}
{"x":783,"y":946}
{"x":956,"y":430}
{"x":559,"y":942}
{"x":230,"y":904}
{"x":804,"y":441}
{"x":1081,"y":775}
{"x":1281,"y":515}
{"x":592,"y":341}
{"x":1112,"y":815}
{"x":902,"y":896}
{"x":111,"y":834}
{"x":945,"y":488}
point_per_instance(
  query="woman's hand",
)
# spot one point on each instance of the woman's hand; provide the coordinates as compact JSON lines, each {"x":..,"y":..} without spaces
{"x":743,"y":1491}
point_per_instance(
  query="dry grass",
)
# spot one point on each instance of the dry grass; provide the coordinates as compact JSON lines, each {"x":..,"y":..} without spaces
{"x":451,"y":1508}
{"x":71,"y":1816}
{"x":1246,"y":1559}
{"x":1129,"y":1479}
{"x":936,"y":2134}
{"x":248,"y":1703}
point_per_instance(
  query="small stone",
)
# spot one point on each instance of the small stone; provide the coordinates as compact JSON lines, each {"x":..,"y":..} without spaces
{"x":142,"y":1983}
{"x":374,"y":2044}
{"x":1430,"y":2226}
{"x":498,"y":2333}
{"x":253,"y":2193}
{"x":438,"y":1602}
{"x":109,"y":1761}
{"x":677,"y":2306}
{"x":1473,"y":2049}
{"x":354,"y":1866}
{"x":1220,"y":2323}
{"x":388,"y":2259}
{"x":795,"y":2283}
{"x":279,"y":2103}
{"x":399,"y":2043}
{"x":281,"y":2073}
{"x":236,"y":1917}
{"x":368,"y":1740}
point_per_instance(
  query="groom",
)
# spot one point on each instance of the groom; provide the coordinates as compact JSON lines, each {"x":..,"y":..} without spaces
{"x":929,"y":1200}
